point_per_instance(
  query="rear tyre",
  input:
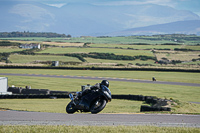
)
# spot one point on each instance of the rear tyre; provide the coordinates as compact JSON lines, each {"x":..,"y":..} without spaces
{"x":98,"y":106}
{"x":70,"y":108}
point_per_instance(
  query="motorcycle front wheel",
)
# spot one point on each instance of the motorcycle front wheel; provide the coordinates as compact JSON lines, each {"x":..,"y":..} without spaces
{"x":70,"y":108}
{"x":97,"y":106}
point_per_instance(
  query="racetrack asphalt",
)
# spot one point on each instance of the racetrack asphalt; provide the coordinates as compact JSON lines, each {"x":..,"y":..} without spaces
{"x":84,"y":119}
{"x":107,"y":78}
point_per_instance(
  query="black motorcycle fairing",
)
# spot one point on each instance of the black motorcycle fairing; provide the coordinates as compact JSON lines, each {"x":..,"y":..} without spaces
{"x":106,"y":92}
{"x":87,"y":100}
{"x":83,"y":105}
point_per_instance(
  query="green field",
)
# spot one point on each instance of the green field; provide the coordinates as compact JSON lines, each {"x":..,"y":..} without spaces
{"x":9,"y":49}
{"x":182,"y":93}
{"x":185,"y":77}
{"x":185,"y":57}
{"x":59,"y":105}
{"x":193,"y":47}
{"x":153,"y":46}
{"x":109,"y":62}
{"x":182,"y":56}
{"x":33,"y":58}
{"x":176,"y":39}
{"x":118,"y":46}
{"x":95,"y":129}
{"x":98,"y":50}
{"x":108,"y":40}
{"x":165,"y":49}
{"x":115,"y":106}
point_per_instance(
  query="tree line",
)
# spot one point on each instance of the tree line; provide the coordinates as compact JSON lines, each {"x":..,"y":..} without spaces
{"x":109,"y":56}
{"x":31,"y":34}
{"x":8,"y":43}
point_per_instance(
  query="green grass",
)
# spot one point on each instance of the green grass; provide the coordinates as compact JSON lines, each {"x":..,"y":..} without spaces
{"x":184,"y":93}
{"x":115,"y":106}
{"x":59,"y":105}
{"x":57,"y":50}
{"x":153,"y":46}
{"x":185,"y":77}
{"x":128,"y":40}
{"x":95,"y":129}
{"x":9,"y":49}
{"x":115,"y":40}
{"x":186,"y":108}
{"x":108,"y":45}
{"x":32,"y":58}
{"x":182,"y":56}
{"x":125,"y":62}
{"x":193,"y":47}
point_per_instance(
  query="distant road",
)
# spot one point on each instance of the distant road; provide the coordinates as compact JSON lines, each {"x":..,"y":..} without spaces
{"x":100,"y":78}
{"x":42,"y":118}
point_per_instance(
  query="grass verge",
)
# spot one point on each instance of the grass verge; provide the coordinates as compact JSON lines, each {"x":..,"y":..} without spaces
{"x":115,"y":106}
{"x":59,"y":105}
{"x":144,"y":75}
{"x":96,"y":129}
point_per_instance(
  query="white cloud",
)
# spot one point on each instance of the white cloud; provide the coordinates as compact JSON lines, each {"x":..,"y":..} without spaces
{"x":33,"y":17}
{"x":30,"y":11}
{"x":57,"y":5}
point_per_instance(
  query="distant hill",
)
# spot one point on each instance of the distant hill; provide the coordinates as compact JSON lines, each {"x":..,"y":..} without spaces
{"x":180,"y":27}
{"x":79,"y":19}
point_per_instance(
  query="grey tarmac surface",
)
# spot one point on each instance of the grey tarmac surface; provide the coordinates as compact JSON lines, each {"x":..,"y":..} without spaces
{"x":108,"y":78}
{"x":84,"y":119}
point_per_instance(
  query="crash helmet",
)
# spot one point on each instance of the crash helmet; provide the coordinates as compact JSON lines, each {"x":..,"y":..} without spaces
{"x":105,"y":82}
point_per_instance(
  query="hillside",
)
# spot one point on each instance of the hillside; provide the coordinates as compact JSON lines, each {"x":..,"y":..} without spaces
{"x":179,"y":27}
{"x":79,"y":19}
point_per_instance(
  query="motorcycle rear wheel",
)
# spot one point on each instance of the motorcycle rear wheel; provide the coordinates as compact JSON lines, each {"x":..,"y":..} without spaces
{"x":98,"y":106}
{"x":70,"y":108}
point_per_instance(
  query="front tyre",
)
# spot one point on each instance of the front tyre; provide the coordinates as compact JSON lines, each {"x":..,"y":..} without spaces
{"x":70,"y":108}
{"x":98,"y":106}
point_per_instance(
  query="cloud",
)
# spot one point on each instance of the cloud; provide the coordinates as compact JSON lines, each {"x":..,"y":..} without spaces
{"x":33,"y":17}
{"x":57,"y":5}
{"x":30,"y":11}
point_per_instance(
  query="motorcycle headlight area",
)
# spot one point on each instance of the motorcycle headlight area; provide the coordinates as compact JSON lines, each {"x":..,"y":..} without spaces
{"x":107,"y":94}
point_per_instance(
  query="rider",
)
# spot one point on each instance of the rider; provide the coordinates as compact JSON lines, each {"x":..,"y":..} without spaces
{"x":98,"y":85}
{"x":94,"y":87}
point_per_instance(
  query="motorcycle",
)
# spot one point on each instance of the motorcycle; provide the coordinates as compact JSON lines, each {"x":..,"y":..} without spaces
{"x":93,"y":102}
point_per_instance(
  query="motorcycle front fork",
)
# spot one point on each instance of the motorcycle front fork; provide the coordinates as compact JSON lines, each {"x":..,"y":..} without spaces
{"x":72,"y":98}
